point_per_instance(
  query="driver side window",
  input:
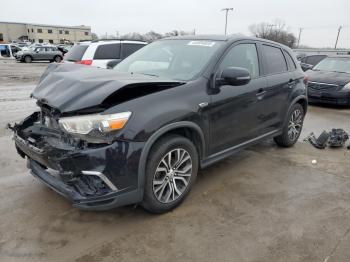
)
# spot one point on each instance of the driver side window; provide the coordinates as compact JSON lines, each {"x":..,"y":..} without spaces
{"x":242,"y":55}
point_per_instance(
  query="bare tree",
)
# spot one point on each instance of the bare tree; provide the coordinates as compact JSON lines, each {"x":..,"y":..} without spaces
{"x":94,"y":36}
{"x":275,"y":31}
{"x":153,"y":36}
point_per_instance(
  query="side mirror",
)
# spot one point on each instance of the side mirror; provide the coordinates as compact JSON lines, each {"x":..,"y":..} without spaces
{"x":306,"y":67}
{"x":111,"y":64}
{"x":235,"y":76}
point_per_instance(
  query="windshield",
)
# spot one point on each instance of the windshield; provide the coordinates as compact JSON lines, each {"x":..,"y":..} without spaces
{"x":174,"y":59}
{"x":334,"y":64}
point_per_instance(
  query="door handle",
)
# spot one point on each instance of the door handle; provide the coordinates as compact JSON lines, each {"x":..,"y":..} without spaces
{"x":291,"y":83}
{"x":260,"y":92}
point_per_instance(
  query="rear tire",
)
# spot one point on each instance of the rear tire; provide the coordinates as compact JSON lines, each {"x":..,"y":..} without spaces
{"x":292,"y":128}
{"x":57,"y":59}
{"x":28,"y":59}
{"x":172,"y":167}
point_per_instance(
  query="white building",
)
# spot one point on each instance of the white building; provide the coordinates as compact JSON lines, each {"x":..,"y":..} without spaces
{"x":42,"y":33}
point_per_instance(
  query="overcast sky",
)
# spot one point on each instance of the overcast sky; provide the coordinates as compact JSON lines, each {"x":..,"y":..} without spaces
{"x":319,"y":18}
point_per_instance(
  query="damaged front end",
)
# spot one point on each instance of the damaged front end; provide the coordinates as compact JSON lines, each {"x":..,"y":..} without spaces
{"x":93,"y":170}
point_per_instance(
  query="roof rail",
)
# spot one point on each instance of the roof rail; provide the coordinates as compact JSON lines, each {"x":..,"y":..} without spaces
{"x":116,"y":39}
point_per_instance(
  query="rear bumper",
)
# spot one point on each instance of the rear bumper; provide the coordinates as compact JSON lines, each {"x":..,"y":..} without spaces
{"x":335,"y":98}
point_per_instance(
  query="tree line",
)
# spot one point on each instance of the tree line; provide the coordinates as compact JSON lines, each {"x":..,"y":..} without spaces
{"x":275,"y":31}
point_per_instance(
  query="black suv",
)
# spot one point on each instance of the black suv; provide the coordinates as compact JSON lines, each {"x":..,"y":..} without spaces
{"x":140,"y":132}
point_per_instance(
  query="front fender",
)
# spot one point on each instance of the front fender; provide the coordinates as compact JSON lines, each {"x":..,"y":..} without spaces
{"x":150,"y":142}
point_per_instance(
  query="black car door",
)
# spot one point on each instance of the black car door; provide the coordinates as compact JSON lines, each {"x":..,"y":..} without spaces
{"x":280,"y":83}
{"x":233,"y":115}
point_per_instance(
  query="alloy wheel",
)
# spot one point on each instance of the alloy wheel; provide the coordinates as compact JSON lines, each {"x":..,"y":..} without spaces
{"x":58,"y":59}
{"x":172,"y":175}
{"x":295,"y":125}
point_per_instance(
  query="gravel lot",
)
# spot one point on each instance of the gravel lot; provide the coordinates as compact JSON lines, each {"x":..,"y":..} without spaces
{"x":263,"y":204}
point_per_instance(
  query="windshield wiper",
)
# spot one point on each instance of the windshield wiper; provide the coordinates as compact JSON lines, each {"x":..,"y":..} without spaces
{"x":146,"y":74}
{"x":341,"y":72}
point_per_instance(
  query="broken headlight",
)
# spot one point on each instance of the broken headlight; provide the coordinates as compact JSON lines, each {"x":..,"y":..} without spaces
{"x":85,"y":124}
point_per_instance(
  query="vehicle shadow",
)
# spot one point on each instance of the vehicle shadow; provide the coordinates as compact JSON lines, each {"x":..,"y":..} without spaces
{"x":330,"y":106}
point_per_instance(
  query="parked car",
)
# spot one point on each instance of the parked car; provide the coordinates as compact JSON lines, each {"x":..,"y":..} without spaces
{"x":99,"y":53}
{"x":7,"y":51}
{"x":40,"y":53}
{"x":329,"y":81}
{"x":64,"y":48}
{"x":308,"y":62}
{"x":140,"y":132}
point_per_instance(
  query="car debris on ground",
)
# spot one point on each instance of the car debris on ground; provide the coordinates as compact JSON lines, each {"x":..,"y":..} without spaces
{"x":337,"y":137}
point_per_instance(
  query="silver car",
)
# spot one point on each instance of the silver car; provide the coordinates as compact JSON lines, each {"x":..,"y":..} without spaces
{"x":40,"y":53}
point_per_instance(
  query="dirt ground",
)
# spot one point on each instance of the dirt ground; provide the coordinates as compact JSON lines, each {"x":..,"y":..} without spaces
{"x":263,"y":204}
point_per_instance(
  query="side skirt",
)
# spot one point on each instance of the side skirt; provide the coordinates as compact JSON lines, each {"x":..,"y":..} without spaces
{"x":229,"y":151}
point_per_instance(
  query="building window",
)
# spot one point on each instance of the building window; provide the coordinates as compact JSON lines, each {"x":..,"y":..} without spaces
{"x":1,"y":37}
{"x":50,"y":41}
{"x":39,"y":30}
{"x":41,"y":41}
{"x":66,"y":32}
{"x":32,"y":30}
{"x":28,"y":31}
{"x":61,"y":32}
{"x":86,"y":33}
{"x":49,"y":31}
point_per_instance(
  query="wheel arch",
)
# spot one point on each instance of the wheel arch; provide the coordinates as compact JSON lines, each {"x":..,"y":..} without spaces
{"x":24,"y":57}
{"x":302,"y":100}
{"x":184,"y":128}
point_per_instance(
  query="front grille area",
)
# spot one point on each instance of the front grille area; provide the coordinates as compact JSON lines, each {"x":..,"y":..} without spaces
{"x":316,"y":86}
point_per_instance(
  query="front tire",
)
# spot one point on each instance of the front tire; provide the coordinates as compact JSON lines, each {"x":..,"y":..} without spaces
{"x":28,"y":59}
{"x":292,"y":129}
{"x":172,"y":167}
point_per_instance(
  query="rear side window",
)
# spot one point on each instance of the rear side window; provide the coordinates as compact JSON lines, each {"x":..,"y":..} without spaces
{"x":274,"y":59}
{"x":110,"y":51}
{"x":128,"y":49}
{"x":76,"y":53}
{"x":290,"y":61}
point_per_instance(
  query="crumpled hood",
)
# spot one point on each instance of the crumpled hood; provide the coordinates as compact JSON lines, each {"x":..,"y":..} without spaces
{"x":71,"y":87}
{"x":328,"y":77}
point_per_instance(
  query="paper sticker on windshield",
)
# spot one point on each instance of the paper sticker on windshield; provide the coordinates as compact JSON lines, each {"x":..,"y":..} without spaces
{"x":202,"y":43}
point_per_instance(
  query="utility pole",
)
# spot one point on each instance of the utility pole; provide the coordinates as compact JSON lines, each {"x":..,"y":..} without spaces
{"x":336,"y":41}
{"x":226,"y":10}
{"x":300,"y":30}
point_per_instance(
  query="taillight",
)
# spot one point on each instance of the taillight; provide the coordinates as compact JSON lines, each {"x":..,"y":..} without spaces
{"x":84,"y":62}
{"x":306,"y":79}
